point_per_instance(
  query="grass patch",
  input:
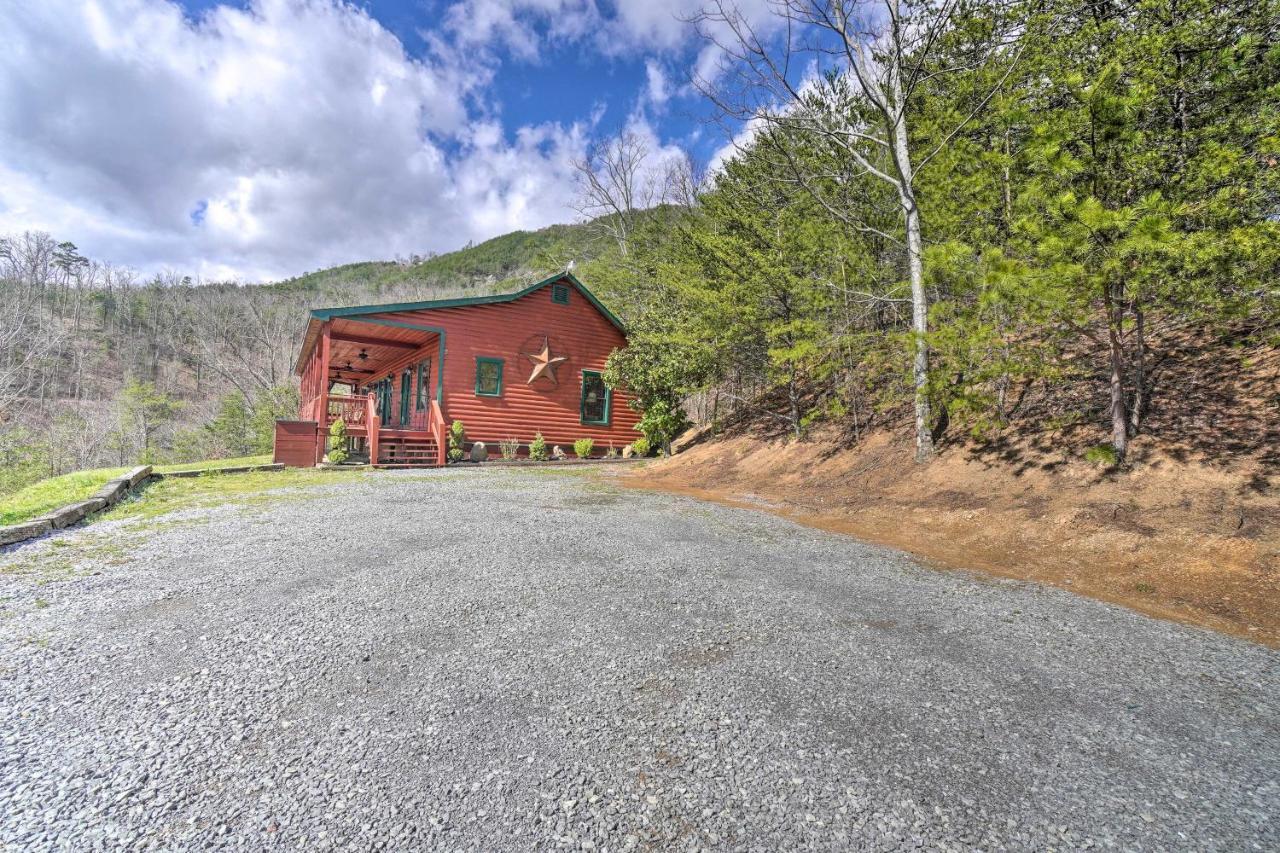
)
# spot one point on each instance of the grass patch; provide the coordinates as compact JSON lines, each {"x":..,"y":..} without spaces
{"x":1102,"y":455}
{"x":213,"y":490}
{"x":49,"y":494}
{"x":237,"y":462}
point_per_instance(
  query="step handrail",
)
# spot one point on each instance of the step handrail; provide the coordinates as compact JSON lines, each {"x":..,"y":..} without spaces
{"x":438,"y":432}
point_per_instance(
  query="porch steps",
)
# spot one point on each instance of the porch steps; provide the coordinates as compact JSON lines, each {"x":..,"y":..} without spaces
{"x":405,"y":452}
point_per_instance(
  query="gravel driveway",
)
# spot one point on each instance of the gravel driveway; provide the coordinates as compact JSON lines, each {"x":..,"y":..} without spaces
{"x":506,"y":659}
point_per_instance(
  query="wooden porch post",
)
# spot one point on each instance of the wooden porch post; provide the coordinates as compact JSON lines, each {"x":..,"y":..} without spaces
{"x":322,"y":421}
{"x":371,"y":427}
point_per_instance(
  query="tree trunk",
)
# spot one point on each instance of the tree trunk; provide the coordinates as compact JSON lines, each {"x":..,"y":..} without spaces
{"x":793,"y":398}
{"x":1139,"y":373}
{"x":915,"y":266}
{"x":1115,"y":342}
{"x":919,"y":328}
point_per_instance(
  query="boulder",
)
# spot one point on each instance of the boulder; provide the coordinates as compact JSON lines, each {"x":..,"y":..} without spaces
{"x":628,"y":452}
{"x":479,"y":452}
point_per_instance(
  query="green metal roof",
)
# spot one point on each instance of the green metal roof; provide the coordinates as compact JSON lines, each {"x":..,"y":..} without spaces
{"x":358,"y":310}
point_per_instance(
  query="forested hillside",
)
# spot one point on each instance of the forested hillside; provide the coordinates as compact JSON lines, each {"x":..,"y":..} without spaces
{"x":1002,"y":225}
{"x":100,"y":367}
{"x":1019,"y":216}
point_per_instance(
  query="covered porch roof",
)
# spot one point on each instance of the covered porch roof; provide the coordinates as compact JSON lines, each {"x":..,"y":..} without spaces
{"x":362,"y":351}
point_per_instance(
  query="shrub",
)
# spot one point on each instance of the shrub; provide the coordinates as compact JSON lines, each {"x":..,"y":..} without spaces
{"x":640,"y":446}
{"x":457,"y":439}
{"x":661,"y":423}
{"x":612,"y":452}
{"x":1103,"y":455}
{"x":538,"y":448}
{"x":583,"y":447}
{"x":510,"y":447}
{"x":338,"y":442}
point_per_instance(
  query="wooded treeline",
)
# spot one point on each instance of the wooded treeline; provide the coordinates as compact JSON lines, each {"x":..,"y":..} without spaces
{"x":99,"y":367}
{"x":949,"y":207}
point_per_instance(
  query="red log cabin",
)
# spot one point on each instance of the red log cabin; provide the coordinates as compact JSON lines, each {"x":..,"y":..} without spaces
{"x":507,"y":366}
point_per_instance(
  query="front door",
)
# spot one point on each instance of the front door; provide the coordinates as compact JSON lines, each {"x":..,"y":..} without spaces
{"x":406,"y":394}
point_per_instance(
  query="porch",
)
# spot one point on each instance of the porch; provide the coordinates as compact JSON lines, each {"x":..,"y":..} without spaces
{"x":382,"y":380}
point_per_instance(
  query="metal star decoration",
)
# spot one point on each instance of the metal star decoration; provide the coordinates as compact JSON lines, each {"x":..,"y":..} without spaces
{"x":544,"y":364}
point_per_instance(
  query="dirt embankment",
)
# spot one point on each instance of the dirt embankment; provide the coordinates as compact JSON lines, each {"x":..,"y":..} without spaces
{"x":1172,"y":538}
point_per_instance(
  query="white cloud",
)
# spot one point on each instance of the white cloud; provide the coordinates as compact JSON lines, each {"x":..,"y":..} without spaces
{"x":657,"y":89}
{"x":296,"y":134}
{"x":654,"y":24}
{"x":520,"y":25}
{"x":285,"y":137}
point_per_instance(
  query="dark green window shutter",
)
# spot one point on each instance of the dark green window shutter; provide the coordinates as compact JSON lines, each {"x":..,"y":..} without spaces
{"x":560,"y":294}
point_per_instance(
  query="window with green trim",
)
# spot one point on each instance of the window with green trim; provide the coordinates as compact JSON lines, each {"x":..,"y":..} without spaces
{"x":424,"y":381}
{"x":560,"y":294}
{"x":595,"y":398}
{"x":489,"y":377}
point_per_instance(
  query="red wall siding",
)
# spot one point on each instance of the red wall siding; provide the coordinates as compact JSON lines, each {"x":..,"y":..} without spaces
{"x":508,"y":330}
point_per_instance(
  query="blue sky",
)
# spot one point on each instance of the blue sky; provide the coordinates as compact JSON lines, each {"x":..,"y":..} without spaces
{"x":257,"y":139}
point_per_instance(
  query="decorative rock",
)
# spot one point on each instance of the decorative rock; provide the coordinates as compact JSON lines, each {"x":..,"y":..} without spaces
{"x":479,"y":452}
{"x":628,"y":452}
{"x":557,"y":452}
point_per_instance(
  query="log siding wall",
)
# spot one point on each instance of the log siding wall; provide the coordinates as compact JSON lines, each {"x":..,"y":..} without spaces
{"x":508,"y":331}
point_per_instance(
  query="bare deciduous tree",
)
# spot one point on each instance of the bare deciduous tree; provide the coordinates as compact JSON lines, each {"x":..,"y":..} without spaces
{"x":615,"y":185}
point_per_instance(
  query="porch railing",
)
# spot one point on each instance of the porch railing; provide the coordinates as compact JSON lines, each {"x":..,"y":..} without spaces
{"x":352,"y":409}
{"x":360,"y":411}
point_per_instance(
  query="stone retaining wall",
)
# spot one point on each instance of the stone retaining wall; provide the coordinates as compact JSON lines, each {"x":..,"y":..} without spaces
{"x":108,"y":495}
{"x":68,"y":515}
{"x":237,"y":469}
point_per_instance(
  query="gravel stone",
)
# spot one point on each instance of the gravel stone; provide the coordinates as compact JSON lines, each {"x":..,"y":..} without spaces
{"x":509,"y":659}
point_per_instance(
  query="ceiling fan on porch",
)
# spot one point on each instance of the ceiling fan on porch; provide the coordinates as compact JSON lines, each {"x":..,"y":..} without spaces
{"x":350,"y":369}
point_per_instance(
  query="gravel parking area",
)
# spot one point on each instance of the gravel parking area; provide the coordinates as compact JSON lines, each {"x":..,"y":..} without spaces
{"x":512,"y":659}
